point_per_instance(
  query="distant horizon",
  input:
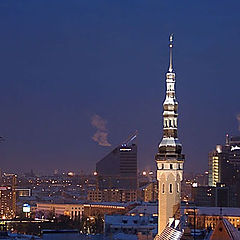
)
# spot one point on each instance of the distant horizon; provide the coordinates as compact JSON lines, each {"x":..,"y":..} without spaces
{"x":111,"y":148}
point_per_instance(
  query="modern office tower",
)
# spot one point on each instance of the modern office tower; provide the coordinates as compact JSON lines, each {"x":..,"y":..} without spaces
{"x":224,"y":171}
{"x":8,"y":195}
{"x":7,"y":203}
{"x":214,"y":166}
{"x":224,"y":163}
{"x":230,"y":173}
{"x":118,"y":170}
{"x":169,"y":157}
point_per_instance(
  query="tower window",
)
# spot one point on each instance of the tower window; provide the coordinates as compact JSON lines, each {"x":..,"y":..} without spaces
{"x":171,"y":166}
{"x":165,"y":123}
{"x":162,"y":166}
{"x":163,"y":188}
{"x":170,"y":188}
{"x":178,"y":190}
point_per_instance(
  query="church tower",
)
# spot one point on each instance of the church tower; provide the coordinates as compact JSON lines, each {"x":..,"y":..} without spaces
{"x":169,"y":157}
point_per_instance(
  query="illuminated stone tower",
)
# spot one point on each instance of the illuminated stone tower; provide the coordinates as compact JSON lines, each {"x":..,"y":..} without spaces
{"x":169,"y":158}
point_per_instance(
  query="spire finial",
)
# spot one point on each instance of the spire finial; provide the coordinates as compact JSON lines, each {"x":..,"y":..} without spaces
{"x":170,"y":49}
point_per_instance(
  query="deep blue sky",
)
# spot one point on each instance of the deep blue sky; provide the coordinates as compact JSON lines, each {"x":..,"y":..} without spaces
{"x":61,"y":62}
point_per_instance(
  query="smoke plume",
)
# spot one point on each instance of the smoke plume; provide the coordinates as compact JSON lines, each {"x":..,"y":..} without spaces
{"x":101,"y":135}
{"x":238,"y":118}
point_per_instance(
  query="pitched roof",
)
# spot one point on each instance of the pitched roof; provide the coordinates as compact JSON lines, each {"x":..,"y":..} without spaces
{"x":225,"y":231}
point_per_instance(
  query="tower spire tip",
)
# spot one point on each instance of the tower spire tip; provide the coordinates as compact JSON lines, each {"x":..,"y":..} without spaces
{"x":170,"y":52}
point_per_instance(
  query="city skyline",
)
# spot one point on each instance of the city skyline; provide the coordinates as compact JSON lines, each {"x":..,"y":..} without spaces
{"x":79,"y":60}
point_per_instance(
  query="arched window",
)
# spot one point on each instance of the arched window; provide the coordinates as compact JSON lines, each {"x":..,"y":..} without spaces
{"x":170,"y":188}
{"x":163,"y":188}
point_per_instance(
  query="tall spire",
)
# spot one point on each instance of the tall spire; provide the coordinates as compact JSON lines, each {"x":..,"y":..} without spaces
{"x":170,"y":52}
{"x":169,"y":158}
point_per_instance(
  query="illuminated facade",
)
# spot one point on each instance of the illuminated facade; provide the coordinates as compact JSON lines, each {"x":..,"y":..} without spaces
{"x":112,"y":195}
{"x":8,"y":196}
{"x":169,"y":157}
{"x":214,"y":166}
{"x":74,"y":211}
{"x":224,"y":168}
{"x":77,"y":211}
{"x":206,"y":217}
{"x":7,"y":203}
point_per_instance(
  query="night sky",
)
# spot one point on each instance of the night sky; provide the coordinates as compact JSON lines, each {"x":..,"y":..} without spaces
{"x":71,"y":68}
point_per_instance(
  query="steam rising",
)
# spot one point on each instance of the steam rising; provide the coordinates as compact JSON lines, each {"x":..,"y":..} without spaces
{"x":101,"y":135}
{"x":238,"y":118}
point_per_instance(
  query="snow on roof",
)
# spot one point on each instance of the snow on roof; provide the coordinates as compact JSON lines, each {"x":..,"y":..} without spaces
{"x":129,"y":220}
{"x":145,"y":209}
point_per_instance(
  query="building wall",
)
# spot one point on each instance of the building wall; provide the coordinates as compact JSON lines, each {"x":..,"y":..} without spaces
{"x":7,"y":203}
{"x":203,"y":196}
{"x":169,"y":195}
{"x":204,"y":221}
{"x":118,"y":170}
{"x":150,"y":192}
{"x":112,"y":195}
{"x":74,"y":211}
{"x":214,"y":168}
{"x":8,"y":195}
{"x":102,"y":209}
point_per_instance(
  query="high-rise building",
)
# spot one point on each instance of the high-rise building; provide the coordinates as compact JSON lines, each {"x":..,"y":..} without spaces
{"x":169,"y":157}
{"x":224,"y":171}
{"x":8,"y":196}
{"x":224,"y":163}
{"x":214,"y":166}
{"x":117,"y":175}
{"x":7,"y":203}
{"x":118,"y":170}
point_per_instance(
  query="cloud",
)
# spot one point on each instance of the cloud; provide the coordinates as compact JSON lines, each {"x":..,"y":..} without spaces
{"x":238,"y":118}
{"x":101,"y":135}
